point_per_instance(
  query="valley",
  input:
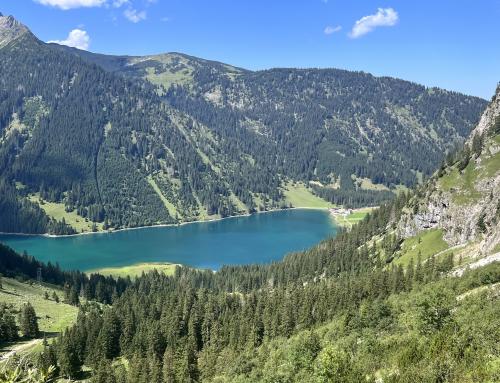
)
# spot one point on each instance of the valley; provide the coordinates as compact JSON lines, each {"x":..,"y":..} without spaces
{"x":165,"y":218}
{"x":222,"y":141}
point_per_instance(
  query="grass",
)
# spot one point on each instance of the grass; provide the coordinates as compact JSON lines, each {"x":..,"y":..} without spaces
{"x":57,"y":211}
{"x":492,"y":162}
{"x":167,"y":78}
{"x":53,"y":317}
{"x":172,"y":210}
{"x":496,"y":249}
{"x":136,"y":270}
{"x":206,"y":161}
{"x":352,"y":218}
{"x":427,"y":243}
{"x":299,"y":195}
{"x":238,"y":203}
{"x":367,"y":184}
{"x":462,"y":185}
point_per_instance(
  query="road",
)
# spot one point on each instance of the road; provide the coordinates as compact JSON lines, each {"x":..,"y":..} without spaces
{"x":19,"y":348}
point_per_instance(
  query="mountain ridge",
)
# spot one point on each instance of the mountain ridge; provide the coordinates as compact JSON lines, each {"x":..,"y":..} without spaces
{"x":95,"y":56}
{"x":10,"y":29}
{"x":200,"y":139}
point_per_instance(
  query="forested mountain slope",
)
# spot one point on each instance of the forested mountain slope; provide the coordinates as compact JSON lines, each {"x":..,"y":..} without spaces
{"x":327,"y":125}
{"x":76,"y":139}
{"x":378,"y":303}
{"x":83,"y":147}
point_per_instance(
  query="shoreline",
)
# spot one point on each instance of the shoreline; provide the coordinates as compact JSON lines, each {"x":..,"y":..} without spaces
{"x":46,"y":235}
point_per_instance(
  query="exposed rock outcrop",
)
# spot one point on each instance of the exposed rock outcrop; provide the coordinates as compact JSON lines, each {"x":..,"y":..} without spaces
{"x":10,"y":29}
{"x":464,"y":203}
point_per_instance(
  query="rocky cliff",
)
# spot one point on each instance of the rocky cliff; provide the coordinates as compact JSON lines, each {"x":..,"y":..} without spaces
{"x":10,"y":29}
{"x":463,"y":197}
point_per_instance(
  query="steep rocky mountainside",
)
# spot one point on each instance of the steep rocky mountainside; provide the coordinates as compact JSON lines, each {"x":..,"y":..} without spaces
{"x":462,"y":200}
{"x":10,"y":29}
{"x":87,"y":144}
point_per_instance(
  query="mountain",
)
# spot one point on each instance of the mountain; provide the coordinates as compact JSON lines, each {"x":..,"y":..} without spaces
{"x":324,"y":124}
{"x":407,"y":295}
{"x":10,"y":30}
{"x":87,"y":144}
{"x":462,"y":200}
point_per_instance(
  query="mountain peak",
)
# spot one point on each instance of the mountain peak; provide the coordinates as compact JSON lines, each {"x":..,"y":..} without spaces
{"x":489,"y":116}
{"x":10,"y":29}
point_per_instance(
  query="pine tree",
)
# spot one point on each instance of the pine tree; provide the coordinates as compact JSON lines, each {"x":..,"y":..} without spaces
{"x":410,"y":274}
{"x":48,"y":358}
{"x":168,"y":366}
{"x":103,"y":373}
{"x":419,"y":272}
{"x":69,"y":361}
{"x":72,"y":296}
{"x":477,"y":144}
{"x":28,"y":322}
{"x":109,"y":336}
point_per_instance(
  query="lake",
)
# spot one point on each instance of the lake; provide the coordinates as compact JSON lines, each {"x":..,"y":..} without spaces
{"x":258,"y":238}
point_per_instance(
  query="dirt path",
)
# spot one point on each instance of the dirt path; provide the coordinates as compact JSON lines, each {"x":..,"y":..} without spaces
{"x":474,"y":265}
{"x":456,"y":247}
{"x":19,"y":348}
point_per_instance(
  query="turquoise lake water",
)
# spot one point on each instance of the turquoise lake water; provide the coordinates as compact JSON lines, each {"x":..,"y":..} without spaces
{"x":258,"y":238}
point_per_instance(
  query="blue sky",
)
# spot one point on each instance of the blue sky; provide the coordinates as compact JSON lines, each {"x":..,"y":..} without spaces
{"x":453,"y":44}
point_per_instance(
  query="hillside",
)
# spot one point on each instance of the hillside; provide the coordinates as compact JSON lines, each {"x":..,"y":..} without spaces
{"x":86,"y":144}
{"x":461,"y":202}
{"x":390,"y":300}
{"x":328,"y":125}
{"x":53,"y":317}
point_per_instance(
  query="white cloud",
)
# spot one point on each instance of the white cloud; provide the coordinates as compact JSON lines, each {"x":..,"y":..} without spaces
{"x":133,"y":15}
{"x":119,"y":3}
{"x":385,"y":17}
{"x":76,"y":38}
{"x":69,"y":4}
{"x":330,"y":30}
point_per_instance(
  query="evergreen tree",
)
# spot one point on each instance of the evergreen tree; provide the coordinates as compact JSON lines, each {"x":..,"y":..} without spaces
{"x":103,"y":373}
{"x":28,"y":322}
{"x":68,"y":358}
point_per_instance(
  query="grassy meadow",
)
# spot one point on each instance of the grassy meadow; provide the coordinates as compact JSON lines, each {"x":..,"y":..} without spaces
{"x":136,"y":270}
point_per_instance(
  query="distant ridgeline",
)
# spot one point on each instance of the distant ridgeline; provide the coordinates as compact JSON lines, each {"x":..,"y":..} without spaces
{"x":86,"y":144}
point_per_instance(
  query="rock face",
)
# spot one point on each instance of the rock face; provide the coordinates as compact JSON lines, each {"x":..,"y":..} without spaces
{"x":489,"y":115}
{"x":465,"y":204}
{"x":10,"y":29}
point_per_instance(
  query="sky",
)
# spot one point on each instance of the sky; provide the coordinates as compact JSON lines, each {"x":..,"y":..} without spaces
{"x":452,"y":44}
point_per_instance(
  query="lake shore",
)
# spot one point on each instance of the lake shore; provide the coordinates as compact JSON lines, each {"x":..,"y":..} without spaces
{"x":136,"y":269}
{"x":170,"y":224}
{"x":205,"y":246}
